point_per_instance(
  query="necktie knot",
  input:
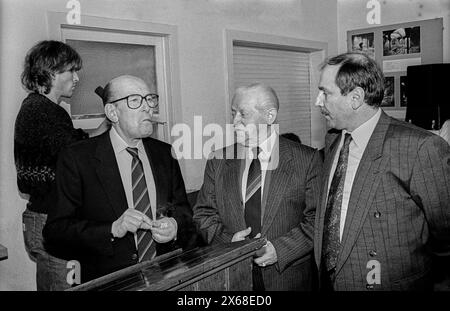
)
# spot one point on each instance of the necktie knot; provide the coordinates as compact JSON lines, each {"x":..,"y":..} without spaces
{"x":256,"y":152}
{"x":347,"y":139}
{"x":133,"y":152}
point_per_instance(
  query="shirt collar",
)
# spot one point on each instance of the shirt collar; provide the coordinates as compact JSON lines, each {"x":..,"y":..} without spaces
{"x":266,"y":147}
{"x":362,"y":134}
{"x":119,"y":144}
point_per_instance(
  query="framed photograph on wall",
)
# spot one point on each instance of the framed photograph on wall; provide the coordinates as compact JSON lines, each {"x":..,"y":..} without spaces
{"x":403,"y":86}
{"x":364,"y":43}
{"x":396,"y":47}
{"x":389,"y":92}
{"x":401,"y":41}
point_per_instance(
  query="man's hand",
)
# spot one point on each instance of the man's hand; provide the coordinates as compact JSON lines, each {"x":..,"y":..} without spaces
{"x":130,"y":221}
{"x":164,"y":229}
{"x":266,"y":255}
{"x":241,"y":235}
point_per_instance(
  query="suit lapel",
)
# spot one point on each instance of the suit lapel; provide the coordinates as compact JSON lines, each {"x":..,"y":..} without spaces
{"x":232,"y":181}
{"x":277,"y":179}
{"x":109,"y":175}
{"x":330,"y":151}
{"x":364,"y":188}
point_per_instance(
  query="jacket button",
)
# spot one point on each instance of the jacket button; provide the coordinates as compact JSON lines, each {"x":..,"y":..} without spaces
{"x":372,"y":253}
{"x":134,"y":256}
{"x":377,"y":214}
{"x":369,"y":286}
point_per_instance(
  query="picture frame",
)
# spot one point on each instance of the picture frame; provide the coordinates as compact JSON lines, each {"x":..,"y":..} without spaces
{"x":395,"y":47}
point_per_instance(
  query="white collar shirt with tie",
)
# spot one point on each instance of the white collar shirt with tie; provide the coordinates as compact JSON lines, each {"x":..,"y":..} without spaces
{"x":358,"y":144}
{"x":265,"y":153}
{"x":124,"y":160}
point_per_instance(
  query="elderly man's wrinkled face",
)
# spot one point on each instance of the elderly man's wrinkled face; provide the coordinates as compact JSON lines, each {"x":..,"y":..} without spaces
{"x":247,"y":118}
{"x":131,"y":124}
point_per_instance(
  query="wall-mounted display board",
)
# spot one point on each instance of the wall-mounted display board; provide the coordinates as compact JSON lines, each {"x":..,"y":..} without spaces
{"x":394,"y":48}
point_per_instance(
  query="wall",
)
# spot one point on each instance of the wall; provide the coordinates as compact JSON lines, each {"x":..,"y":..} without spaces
{"x":201,"y":25}
{"x":352,"y":15}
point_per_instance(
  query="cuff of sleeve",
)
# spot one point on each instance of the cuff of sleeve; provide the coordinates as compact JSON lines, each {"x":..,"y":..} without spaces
{"x":175,"y":224}
{"x":281,"y":263}
{"x":101,"y":240}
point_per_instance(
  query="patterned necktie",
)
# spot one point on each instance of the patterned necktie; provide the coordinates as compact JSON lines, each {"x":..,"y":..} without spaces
{"x":331,"y":240}
{"x":141,"y":201}
{"x":253,"y":196}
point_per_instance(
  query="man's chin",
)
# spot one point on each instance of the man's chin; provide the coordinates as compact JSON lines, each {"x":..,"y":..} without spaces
{"x":146,"y":133}
{"x":330,"y":123}
{"x":243,"y":143}
{"x":247,"y":143}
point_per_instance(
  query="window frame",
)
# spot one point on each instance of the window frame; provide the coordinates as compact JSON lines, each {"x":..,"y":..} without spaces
{"x":164,"y":36}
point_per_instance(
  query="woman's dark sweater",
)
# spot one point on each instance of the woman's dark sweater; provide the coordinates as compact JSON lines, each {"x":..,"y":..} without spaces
{"x":42,"y":129}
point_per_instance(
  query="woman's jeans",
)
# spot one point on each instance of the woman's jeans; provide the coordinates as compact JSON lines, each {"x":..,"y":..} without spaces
{"x":51,"y":272}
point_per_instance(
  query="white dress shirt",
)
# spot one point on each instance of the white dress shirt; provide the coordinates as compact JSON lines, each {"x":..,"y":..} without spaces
{"x":360,"y":139}
{"x":124,"y":162}
{"x":264,"y":157}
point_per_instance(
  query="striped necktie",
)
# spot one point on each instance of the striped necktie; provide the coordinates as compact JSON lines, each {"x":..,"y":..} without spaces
{"x":141,"y":201}
{"x":252,"y":212}
{"x":253,"y":196}
{"x":331,"y":240}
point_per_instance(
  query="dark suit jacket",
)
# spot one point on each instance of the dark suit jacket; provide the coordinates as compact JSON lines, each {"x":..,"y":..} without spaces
{"x":399,"y":208}
{"x":90,"y":197}
{"x":291,"y":193}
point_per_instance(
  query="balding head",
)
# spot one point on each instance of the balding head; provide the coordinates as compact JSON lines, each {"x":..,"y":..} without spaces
{"x":263,"y":95}
{"x":122,"y":86}
{"x":254,"y":108}
{"x":131,"y":123}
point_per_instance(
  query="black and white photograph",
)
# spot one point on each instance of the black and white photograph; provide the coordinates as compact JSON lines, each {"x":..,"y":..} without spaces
{"x":401,"y":41}
{"x":403,"y":91}
{"x":234,"y":149}
{"x":364,"y":43}
{"x":389,"y":92}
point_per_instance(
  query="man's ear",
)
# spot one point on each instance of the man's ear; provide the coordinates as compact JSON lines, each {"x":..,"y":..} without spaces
{"x":271,"y":115}
{"x":111,"y":113}
{"x":357,"y":97}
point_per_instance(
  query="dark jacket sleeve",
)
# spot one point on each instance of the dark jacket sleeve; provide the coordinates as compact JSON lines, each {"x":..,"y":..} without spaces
{"x":298,"y":242}
{"x":65,"y":233}
{"x":430,"y":188}
{"x":206,"y":215}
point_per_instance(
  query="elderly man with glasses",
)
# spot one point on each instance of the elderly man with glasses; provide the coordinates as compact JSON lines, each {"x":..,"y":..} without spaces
{"x":121,"y":197}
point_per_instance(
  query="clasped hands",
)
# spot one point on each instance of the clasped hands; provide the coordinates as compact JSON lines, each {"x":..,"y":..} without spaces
{"x":163,"y":230}
{"x":265,"y":256}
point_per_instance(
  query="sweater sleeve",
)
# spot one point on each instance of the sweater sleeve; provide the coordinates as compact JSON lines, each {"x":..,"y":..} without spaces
{"x":42,"y":129}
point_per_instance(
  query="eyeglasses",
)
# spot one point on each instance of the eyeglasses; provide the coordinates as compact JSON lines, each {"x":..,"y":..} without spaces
{"x":134,"y":101}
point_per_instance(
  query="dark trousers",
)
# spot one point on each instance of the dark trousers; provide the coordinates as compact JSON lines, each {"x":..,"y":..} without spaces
{"x":258,"y":282}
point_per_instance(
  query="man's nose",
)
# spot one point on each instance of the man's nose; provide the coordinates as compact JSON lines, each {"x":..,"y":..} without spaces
{"x":319,"y":100}
{"x":146,"y":106}
{"x":237,"y":119}
{"x":75,"y":77}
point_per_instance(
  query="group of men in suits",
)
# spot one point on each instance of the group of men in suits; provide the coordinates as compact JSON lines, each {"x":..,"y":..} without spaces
{"x":367,"y":216}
